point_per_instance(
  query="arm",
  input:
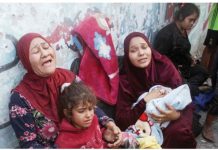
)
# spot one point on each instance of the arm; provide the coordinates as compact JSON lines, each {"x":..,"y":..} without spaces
{"x":102,"y":117}
{"x":163,"y":43}
{"x":109,"y":124}
{"x":125,"y":115}
{"x":169,"y":115}
{"x":22,"y":122}
{"x":182,"y":56}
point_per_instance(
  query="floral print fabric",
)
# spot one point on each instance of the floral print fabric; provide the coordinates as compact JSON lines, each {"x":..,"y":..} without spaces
{"x":32,"y":128}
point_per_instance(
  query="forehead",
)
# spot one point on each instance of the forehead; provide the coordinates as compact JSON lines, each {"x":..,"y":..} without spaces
{"x":137,"y":40}
{"x":36,"y":41}
{"x":192,"y":16}
{"x":83,"y":104}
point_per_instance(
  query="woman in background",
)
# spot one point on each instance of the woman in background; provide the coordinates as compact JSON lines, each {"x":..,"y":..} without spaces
{"x":172,"y":41}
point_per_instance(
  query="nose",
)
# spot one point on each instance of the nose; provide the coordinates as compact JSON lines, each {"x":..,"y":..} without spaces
{"x":44,"y":53}
{"x":192,"y":23}
{"x":89,"y":114}
{"x":141,"y":52}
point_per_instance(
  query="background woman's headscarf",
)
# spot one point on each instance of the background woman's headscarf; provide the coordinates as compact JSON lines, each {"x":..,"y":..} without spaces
{"x":41,"y":92}
{"x":160,"y":71}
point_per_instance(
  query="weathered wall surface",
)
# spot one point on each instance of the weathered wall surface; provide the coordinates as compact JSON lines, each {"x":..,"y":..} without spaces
{"x":55,"y":20}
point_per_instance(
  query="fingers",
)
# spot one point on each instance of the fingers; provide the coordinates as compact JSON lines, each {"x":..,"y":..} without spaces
{"x":118,"y":141}
{"x":169,"y":107}
{"x":112,"y":126}
{"x":158,"y":118}
{"x":117,"y":130}
{"x":161,"y":111}
{"x":117,"y":133}
{"x":169,"y":114}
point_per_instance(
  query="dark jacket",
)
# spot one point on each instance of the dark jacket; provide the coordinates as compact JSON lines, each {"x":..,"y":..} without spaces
{"x":170,"y":42}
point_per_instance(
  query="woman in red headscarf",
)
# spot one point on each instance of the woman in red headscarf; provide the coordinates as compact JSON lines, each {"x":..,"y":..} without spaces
{"x":33,"y":107}
{"x":143,"y":68}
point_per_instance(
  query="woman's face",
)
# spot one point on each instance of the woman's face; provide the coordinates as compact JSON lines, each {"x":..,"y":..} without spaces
{"x":42,"y":57}
{"x":139,"y":52}
{"x":82,"y":116}
{"x":189,"y":21}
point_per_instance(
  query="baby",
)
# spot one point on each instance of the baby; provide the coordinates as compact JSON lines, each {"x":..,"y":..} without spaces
{"x":178,"y":98}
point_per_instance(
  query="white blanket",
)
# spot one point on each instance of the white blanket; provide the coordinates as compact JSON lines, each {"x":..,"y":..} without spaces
{"x":178,"y":98}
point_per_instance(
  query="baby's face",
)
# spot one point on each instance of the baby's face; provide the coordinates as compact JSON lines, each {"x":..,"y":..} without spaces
{"x":162,"y":90}
{"x":109,"y":136}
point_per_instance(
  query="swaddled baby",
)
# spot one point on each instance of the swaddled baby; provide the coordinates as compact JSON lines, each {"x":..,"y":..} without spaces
{"x":178,"y":98}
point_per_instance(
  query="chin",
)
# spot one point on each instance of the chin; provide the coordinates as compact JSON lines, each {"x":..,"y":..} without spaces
{"x":84,"y":127}
{"x":143,"y":65}
{"x":48,"y":73}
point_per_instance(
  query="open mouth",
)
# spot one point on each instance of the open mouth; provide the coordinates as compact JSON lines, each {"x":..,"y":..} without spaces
{"x":46,"y":63}
{"x":142,"y":60}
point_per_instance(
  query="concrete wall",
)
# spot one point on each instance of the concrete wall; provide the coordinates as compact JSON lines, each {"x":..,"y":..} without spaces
{"x":55,"y":20}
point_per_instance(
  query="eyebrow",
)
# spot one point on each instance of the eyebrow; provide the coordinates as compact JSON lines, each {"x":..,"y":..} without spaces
{"x":39,"y":44}
{"x":144,"y":43}
{"x":35,"y":46}
{"x":133,"y":46}
{"x":83,"y":107}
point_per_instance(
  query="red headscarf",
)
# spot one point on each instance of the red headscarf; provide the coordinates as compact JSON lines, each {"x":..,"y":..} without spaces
{"x":135,"y":81}
{"x":160,"y":70}
{"x":41,"y":92}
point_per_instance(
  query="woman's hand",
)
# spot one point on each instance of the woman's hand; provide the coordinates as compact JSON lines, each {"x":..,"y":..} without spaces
{"x":169,"y":115}
{"x":117,"y":133}
{"x":155,"y":93}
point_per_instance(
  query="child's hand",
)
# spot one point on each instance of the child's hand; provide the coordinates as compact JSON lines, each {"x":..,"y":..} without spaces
{"x":117,"y":134}
{"x":109,"y":136}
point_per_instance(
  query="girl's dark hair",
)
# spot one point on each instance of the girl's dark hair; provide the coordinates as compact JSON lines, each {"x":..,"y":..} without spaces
{"x":185,"y":10}
{"x":73,"y":95}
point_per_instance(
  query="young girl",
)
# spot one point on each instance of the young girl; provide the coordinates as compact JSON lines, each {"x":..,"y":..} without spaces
{"x":79,"y":127}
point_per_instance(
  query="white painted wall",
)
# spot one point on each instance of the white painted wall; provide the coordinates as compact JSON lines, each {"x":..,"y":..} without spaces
{"x":17,"y":19}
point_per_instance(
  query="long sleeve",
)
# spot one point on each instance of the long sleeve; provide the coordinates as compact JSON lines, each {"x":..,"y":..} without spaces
{"x":170,"y":42}
{"x":102,"y":117}
{"x":23,"y":123}
{"x":163,"y":43}
{"x":125,"y":115}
